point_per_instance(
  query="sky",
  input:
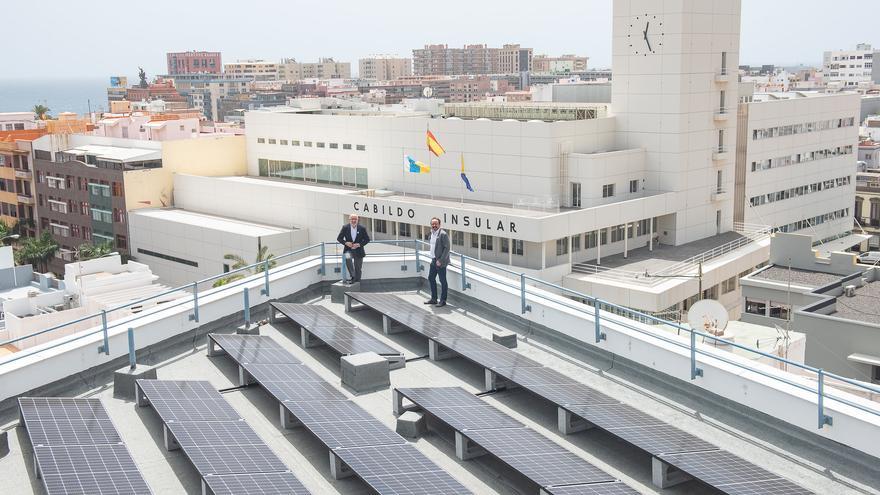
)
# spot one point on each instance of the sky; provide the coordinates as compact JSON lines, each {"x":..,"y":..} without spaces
{"x":63,"y":39}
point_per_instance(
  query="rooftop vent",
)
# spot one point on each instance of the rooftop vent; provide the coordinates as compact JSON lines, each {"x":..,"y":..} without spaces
{"x":849,"y":290}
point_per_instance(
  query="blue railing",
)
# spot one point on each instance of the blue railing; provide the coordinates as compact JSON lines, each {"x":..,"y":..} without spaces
{"x":518,"y":281}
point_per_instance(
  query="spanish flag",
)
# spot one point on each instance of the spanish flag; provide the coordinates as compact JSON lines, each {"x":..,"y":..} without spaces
{"x":434,"y":145}
{"x":416,"y":166}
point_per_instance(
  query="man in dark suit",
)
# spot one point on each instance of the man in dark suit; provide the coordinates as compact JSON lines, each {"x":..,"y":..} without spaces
{"x":439,"y":261}
{"x":354,"y":237}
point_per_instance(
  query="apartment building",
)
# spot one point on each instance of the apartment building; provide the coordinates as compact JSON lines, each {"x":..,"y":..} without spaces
{"x":17,"y":121}
{"x":440,"y":60}
{"x":384,"y":68}
{"x":513,"y":59}
{"x":325,"y":68}
{"x":253,"y":69}
{"x":194,"y":62}
{"x":796,"y":162}
{"x":85,"y":185}
{"x":851,"y":68}
{"x":148,"y":126}
{"x":17,"y":203}
{"x":563,"y":64}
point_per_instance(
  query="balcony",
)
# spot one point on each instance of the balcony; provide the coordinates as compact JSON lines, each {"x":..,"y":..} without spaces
{"x":722,"y":76}
{"x":720,"y":154}
{"x":24,"y":174}
{"x":722,"y":114}
{"x":719,"y":194}
{"x":25,"y":200}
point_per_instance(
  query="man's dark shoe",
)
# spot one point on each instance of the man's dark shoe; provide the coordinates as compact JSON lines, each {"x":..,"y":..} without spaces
{"x":441,"y":304}
{"x":432,"y":301}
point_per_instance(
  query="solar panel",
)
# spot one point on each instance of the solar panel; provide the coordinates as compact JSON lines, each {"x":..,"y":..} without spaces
{"x":556,"y":468}
{"x":233,"y":459}
{"x":534,"y":376}
{"x":499,"y":359}
{"x":473,"y":345}
{"x":514,"y":441}
{"x":312,"y":412}
{"x":572,"y":393}
{"x":616,"y":488}
{"x":178,"y":389}
{"x":385,"y":460}
{"x":232,"y":341}
{"x":282,"y":372}
{"x":74,"y":459}
{"x":260,"y":350}
{"x":355,"y":434}
{"x":256,"y":484}
{"x":608,"y":416}
{"x":730,"y":473}
{"x":459,"y":409}
{"x":61,"y":408}
{"x":662,"y":439}
{"x":441,"y":397}
{"x":360,"y":344}
{"x":171,"y":410}
{"x":72,"y":432}
{"x":427,"y":483}
{"x":200,"y":433}
{"x":90,"y":483}
{"x":303,"y":391}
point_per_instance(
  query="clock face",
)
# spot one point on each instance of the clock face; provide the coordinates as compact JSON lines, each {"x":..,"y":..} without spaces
{"x":645,"y":35}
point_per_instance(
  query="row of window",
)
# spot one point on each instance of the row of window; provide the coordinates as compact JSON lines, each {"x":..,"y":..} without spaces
{"x":477,"y":241}
{"x":101,"y":188}
{"x":60,"y":205}
{"x":768,"y":308}
{"x":812,"y":222}
{"x":607,"y":191}
{"x":795,"y":192}
{"x":14,"y":161}
{"x":790,"y":130}
{"x":311,"y":144}
{"x":316,"y":173}
{"x":9,"y":209}
{"x":168,"y":257}
{"x":615,"y":234}
{"x":785,"y":161}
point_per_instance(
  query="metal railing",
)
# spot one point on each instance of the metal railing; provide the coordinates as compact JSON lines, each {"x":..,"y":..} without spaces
{"x":529,"y":289}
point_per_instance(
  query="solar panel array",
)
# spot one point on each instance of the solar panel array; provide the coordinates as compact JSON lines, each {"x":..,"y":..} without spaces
{"x":664,"y":441}
{"x":535,"y":456}
{"x":378,"y":455}
{"x":227,"y":453}
{"x":340,"y":334}
{"x":77,"y":449}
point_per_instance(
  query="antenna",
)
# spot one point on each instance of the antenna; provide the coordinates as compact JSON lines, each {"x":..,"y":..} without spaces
{"x":710,"y":316}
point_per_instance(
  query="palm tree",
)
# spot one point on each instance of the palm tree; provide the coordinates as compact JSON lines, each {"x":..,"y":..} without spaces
{"x":87,"y":251}
{"x":38,"y":252}
{"x":263,"y":255}
{"x":42,"y":111}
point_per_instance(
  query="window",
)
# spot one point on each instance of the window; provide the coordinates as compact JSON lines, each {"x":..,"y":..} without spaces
{"x":404,"y":229}
{"x":590,"y":240}
{"x":475,"y":241}
{"x":617,"y":233}
{"x":505,"y":245}
{"x":562,"y":246}
{"x":457,"y":238}
{"x":117,"y":189}
{"x":307,"y":144}
{"x":728,"y":285}
{"x":272,"y":141}
{"x":334,"y":146}
{"x":121,"y":242}
{"x":603,"y":236}
{"x":608,"y":190}
{"x":294,"y":142}
{"x":575,"y":195}
{"x":261,"y":140}
{"x":319,"y":145}
{"x":711,"y":292}
{"x":283,"y":142}
{"x":167,"y":257}
{"x":634,"y":186}
{"x":486,"y":242}
{"x":755,"y":307}
{"x":518,"y":247}
{"x":779,"y":310}
{"x":575,"y":243}
{"x":361,"y":147}
{"x":346,"y":146}
{"x":380,"y":226}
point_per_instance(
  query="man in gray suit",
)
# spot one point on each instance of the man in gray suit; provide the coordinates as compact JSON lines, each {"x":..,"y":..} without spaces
{"x":439,"y":261}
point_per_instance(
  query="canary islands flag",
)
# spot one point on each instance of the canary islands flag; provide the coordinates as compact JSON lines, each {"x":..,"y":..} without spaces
{"x":464,"y":178}
{"x":416,"y":166}
{"x":434,"y":145}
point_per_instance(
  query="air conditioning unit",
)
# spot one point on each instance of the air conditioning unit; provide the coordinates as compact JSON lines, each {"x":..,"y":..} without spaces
{"x":849,"y":290}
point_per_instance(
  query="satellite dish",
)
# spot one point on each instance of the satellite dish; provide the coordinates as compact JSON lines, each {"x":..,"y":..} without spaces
{"x":708,"y":316}
{"x":427,"y":92}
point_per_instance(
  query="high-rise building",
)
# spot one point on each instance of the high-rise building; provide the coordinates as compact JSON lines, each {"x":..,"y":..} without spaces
{"x":384,"y":68}
{"x":194,"y":62}
{"x":256,"y":70}
{"x":564,"y":64}
{"x":440,"y":60}
{"x":17,"y":178}
{"x":325,"y":68}
{"x":851,"y":68}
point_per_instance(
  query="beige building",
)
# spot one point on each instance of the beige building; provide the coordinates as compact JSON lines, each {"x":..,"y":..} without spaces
{"x":384,"y":68}
{"x":440,"y":60}
{"x":561,"y":64}
{"x":258,"y":70}
{"x":325,"y":68}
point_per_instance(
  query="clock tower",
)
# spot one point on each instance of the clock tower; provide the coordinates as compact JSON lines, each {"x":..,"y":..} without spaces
{"x":674,"y":94}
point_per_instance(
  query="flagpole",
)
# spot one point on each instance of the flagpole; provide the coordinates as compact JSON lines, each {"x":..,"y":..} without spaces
{"x":430,"y":160}
{"x":460,"y":182}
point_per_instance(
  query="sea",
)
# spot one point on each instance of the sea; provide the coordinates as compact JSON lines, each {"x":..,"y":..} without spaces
{"x":60,"y":95}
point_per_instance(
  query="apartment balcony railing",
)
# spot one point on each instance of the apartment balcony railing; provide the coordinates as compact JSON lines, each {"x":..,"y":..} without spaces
{"x":26,"y":199}
{"x":718,"y":194}
{"x":723,"y":75}
{"x":23,"y":174}
{"x":721,"y":153}
{"x":722,"y":114}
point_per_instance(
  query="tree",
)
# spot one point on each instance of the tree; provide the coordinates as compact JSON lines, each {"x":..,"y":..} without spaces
{"x":263,"y":255}
{"x":38,"y":252}
{"x":91,"y":251}
{"x":42,"y":111}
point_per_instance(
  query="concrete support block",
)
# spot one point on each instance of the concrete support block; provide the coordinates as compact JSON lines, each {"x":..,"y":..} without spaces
{"x":664,"y":475}
{"x":569,"y":423}
{"x":140,"y":399}
{"x":338,"y":469}
{"x":252,"y":329}
{"x":288,"y":420}
{"x":397,"y":403}
{"x":124,"y":380}
{"x":507,"y":339}
{"x":170,"y":441}
{"x":338,"y":290}
{"x":351,"y":304}
{"x":395,"y":361}
{"x":244,"y":378}
{"x":466,"y":449}
{"x":364,"y":372}
{"x":437,"y":352}
{"x":308,"y":340}
{"x":37,"y":471}
{"x":390,"y":327}
{"x":275,"y":316}
{"x":214,"y":349}
{"x":411,"y":424}
{"x":4,"y":443}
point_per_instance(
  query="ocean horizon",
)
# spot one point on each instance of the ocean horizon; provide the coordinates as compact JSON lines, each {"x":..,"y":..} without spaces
{"x":60,"y":95}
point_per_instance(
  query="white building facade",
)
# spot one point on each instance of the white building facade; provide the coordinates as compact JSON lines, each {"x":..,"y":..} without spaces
{"x":851,"y":68}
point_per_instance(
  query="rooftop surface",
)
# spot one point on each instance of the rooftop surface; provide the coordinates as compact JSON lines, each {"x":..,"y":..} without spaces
{"x":212,"y":222}
{"x":861,"y":307}
{"x":117,"y":153}
{"x":170,"y":472}
{"x":803,"y":278}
